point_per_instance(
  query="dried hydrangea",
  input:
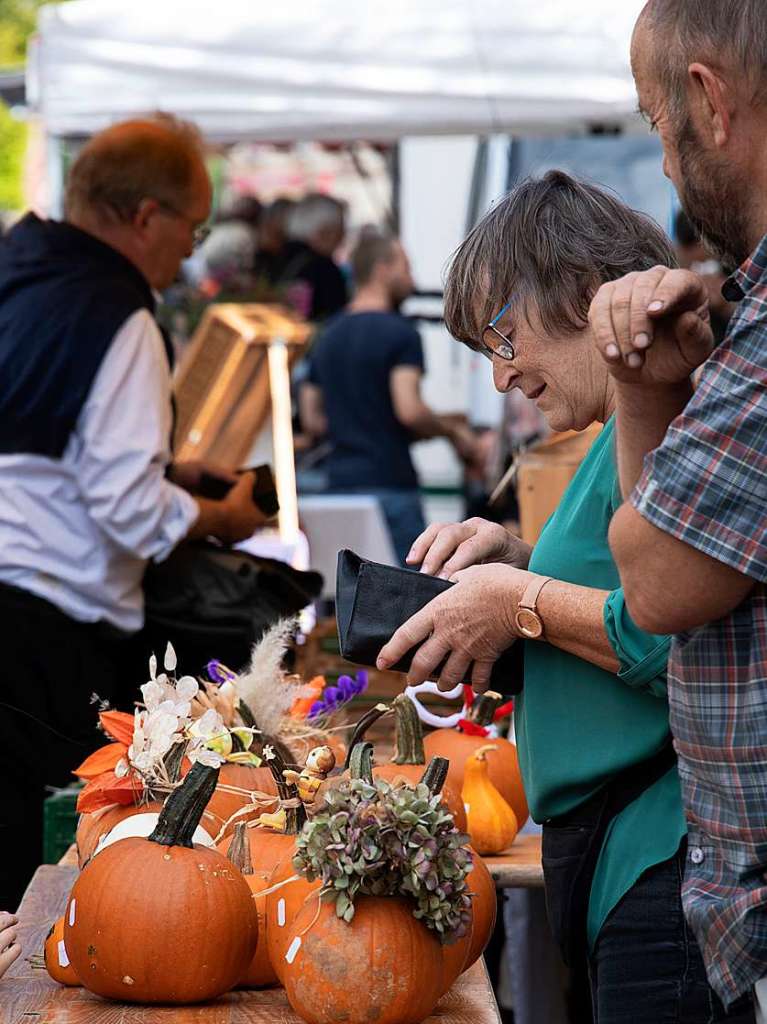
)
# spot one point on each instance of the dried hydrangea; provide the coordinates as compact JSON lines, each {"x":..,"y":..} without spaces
{"x":376,"y":839}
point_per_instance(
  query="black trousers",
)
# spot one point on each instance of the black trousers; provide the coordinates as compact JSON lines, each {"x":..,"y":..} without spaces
{"x":49,"y":667}
{"x":646,"y":967}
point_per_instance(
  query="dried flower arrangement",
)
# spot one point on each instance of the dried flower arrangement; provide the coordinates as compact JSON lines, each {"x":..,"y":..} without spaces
{"x":376,"y":838}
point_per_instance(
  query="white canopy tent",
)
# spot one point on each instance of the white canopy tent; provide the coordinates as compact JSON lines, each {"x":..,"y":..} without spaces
{"x":334,"y":69}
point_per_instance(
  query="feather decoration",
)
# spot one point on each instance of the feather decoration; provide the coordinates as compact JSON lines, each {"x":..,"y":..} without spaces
{"x":265,"y":687}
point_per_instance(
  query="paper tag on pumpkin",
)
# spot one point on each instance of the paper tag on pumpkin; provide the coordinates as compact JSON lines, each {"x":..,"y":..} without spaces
{"x":293,"y":948}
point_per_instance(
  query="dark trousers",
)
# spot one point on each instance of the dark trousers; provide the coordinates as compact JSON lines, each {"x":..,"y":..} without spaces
{"x":647,"y":967}
{"x":49,"y":667}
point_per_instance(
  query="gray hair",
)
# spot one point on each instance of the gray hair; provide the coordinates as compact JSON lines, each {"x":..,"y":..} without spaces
{"x":715,"y":32}
{"x":549,"y":244}
{"x":152,"y":157}
{"x":314,"y":213}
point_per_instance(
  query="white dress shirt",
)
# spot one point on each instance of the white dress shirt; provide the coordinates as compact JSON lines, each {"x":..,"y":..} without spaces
{"x":78,"y":531}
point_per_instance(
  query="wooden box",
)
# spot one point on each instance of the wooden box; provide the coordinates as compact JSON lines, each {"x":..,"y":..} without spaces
{"x":543,"y":473}
{"x":222,"y":388}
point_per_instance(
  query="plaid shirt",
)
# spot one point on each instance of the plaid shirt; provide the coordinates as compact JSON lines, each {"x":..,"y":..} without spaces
{"x":707,"y":486}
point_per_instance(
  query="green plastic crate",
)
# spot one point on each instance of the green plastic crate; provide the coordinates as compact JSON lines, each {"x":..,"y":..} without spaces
{"x":59,"y":822}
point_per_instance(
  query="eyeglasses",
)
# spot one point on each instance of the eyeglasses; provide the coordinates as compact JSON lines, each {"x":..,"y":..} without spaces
{"x":495,"y":342}
{"x":199,"y":232}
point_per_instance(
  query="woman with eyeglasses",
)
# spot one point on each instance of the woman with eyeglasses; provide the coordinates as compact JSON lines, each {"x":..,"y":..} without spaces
{"x":592,"y":720}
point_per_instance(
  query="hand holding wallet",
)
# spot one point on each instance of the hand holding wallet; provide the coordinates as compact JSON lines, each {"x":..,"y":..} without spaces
{"x":373,"y":601}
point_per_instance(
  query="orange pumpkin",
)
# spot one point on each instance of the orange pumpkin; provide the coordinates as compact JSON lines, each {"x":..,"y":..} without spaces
{"x":92,"y":825}
{"x":484,"y":907}
{"x":256,"y":852}
{"x":159,"y":920}
{"x":503,"y":769}
{"x":286,"y":895}
{"x":492,"y":823}
{"x":384,"y":966}
{"x":458,"y":956}
{"x":55,"y":955}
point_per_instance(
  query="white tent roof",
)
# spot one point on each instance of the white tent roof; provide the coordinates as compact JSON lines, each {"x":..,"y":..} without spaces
{"x":334,"y":69}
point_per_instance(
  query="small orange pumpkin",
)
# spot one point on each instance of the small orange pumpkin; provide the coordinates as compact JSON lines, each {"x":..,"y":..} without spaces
{"x":267,"y":849}
{"x":491,"y":822}
{"x":503,"y":768}
{"x":55,"y":955}
{"x":286,"y":895}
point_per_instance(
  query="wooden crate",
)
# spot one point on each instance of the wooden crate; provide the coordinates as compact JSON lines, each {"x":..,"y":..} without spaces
{"x":543,"y":474}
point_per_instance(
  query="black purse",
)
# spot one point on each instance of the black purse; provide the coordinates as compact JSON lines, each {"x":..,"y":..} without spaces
{"x":372,"y":602}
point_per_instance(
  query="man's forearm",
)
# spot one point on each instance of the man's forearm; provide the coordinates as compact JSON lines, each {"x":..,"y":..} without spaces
{"x":643,"y":416}
{"x":211,"y":522}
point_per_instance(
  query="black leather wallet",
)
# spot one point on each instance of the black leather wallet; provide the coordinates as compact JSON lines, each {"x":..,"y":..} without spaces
{"x":372,"y":602}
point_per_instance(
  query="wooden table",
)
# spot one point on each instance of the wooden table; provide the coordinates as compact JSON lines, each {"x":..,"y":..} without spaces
{"x":29,"y":996}
{"x":520,"y":867}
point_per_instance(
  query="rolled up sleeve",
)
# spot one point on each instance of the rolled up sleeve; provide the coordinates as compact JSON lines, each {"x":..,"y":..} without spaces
{"x":124,"y":435}
{"x":706,"y":483}
{"x":642,"y":656}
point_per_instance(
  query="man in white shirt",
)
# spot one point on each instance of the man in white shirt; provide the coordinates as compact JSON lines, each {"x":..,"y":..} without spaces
{"x":87,"y":494}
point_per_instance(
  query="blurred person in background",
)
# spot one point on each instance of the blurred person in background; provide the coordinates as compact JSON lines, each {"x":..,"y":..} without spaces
{"x":363,"y":392}
{"x":272,"y":237}
{"x":224,"y":262}
{"x":88,"y":495}
{"x":307,"y":275}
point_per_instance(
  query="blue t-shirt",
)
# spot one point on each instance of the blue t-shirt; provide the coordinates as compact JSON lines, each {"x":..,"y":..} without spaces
{"x":351,"y":362}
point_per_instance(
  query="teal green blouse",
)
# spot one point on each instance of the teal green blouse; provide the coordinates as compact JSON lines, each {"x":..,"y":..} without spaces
{"x":576,"y":724}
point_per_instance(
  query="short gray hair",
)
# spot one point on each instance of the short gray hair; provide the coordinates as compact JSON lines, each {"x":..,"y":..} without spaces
{"x":314,"y":213}
{"x":151,"y":157}
{"x":549,"y":244}
{"x":733,"y":32}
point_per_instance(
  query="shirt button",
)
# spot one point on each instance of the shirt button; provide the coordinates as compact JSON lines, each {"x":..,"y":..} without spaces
{"x":696,"y":855}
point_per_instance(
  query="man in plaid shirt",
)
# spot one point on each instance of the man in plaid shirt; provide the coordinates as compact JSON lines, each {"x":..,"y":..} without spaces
{"x":691,"y":540}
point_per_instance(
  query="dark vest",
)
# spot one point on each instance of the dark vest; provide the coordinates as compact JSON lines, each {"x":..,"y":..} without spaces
{"x":63,"y":296}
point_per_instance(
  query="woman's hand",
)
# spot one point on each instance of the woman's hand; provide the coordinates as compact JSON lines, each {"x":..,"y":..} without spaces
{"x":10,"y":950}
{"x":470,"y":625}
{"x":446,"y":548}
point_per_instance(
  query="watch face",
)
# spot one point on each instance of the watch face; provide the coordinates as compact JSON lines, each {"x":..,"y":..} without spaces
{"x":529,"y":623}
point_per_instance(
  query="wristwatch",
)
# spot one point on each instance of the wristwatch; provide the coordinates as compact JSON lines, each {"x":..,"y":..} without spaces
{"x":528,"y":620}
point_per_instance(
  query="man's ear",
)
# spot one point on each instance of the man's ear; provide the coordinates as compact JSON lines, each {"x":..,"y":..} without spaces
{"x":712,"y":101}
{"x":144,"y":213}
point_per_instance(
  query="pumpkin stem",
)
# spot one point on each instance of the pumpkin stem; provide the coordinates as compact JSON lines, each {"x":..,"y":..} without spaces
{"x":435,"y":775}
{"x":295,"y":812}
{"x":409,"y":734}
{"x":484,"y":707}
{"x":362,"y":727}
{"x":173,"y":760}
{"x":239,"y":850}
{"x":481,"y":752}
{"x":361,"y":761}
{"x":183,"y":809}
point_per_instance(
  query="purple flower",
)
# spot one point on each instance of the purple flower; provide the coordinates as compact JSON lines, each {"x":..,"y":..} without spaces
{"x":334,"y":697}
{"x":218,"y":672}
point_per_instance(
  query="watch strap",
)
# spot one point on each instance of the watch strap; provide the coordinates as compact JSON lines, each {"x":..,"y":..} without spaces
{"x":529,"y":599}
